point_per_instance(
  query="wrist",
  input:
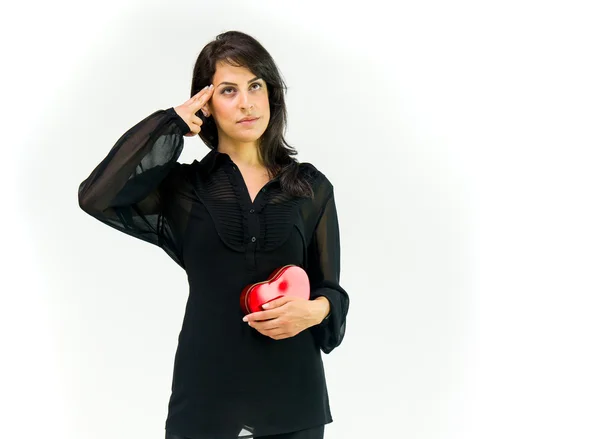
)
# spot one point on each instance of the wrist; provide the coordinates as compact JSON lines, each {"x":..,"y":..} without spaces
{"x":322,"y":308}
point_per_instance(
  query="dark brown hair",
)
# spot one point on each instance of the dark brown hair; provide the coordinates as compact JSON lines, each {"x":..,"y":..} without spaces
{"x":241,"y":50}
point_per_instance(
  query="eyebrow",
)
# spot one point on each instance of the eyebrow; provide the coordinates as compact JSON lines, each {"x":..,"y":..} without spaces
{"x":233,"y":83}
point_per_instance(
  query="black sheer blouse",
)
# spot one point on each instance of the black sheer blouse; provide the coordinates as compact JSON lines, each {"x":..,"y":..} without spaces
{"x":229,"y":380}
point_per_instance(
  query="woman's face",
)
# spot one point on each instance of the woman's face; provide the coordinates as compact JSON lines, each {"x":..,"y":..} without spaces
{"x":238,"y":93}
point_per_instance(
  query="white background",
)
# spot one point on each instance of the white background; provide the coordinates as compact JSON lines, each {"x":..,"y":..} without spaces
{"x":462,"y":139}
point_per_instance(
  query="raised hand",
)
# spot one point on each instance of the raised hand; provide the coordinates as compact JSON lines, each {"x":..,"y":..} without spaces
{"x":187,"y":111}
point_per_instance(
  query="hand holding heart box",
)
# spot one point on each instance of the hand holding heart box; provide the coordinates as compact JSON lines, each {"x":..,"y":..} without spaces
{"x":289,"y":280}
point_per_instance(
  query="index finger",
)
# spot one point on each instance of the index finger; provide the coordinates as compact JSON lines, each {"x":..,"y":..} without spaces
{"x":202,"y":97}
{"x":261,"y":315}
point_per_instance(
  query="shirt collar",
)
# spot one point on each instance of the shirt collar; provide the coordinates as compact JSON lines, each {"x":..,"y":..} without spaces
{"x":210,"y":161}
{"x":213,"y":159}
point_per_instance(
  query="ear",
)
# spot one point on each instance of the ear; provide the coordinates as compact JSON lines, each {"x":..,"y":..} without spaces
{"x":207,"y":109}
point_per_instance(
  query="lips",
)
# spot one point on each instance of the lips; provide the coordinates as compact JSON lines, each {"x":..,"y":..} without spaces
{"x":248,"y":119}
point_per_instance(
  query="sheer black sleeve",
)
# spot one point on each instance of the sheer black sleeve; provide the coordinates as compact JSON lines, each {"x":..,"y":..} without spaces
{"x":324,"y":273}
{"x":126,"y":189}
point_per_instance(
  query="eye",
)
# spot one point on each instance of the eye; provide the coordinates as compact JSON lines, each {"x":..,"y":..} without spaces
{"x":259,"y":85}
{"x":225,"y":89}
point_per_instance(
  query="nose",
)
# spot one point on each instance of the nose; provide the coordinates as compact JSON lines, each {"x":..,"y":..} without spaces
{"x":245,"y":101}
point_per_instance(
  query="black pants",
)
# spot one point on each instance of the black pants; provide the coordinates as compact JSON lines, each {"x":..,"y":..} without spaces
{"x":310,"y":433}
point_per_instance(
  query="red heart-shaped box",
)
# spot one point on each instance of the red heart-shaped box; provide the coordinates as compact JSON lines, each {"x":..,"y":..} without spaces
{"x":289,"y":280}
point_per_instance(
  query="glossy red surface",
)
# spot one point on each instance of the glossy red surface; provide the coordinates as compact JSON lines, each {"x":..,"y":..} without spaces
{"x":289,"y":280}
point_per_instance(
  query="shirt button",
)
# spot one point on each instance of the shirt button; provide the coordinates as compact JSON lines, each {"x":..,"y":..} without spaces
{"x":254,"y":239}
{"x":251,"y":210}
{"x":234,"y":168}
{"x":264,"y":189}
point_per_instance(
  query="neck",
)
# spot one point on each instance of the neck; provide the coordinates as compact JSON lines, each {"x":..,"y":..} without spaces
{"x":242,"y":154}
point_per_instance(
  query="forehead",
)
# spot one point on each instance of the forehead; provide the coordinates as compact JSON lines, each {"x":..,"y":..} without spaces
{"x":227,"y":72}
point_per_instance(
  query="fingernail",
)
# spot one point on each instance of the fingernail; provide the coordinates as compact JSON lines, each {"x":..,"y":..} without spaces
{"x":245,"y":319}
{"x":211,"y":86}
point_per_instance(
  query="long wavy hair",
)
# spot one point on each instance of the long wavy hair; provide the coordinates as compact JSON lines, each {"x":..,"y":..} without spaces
{"x":241,"y":50}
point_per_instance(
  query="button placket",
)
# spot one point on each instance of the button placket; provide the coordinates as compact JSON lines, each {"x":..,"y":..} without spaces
{"x":252,"y":216}
{"x":253,"y":232}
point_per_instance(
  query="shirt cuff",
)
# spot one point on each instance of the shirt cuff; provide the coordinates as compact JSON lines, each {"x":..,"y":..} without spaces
{"x":183,"y":126}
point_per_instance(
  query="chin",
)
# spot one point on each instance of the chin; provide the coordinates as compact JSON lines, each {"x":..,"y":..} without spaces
{"x":248,"y":139}
{"x":249,"y":136}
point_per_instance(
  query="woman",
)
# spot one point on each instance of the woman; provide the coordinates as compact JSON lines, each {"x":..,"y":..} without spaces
{"x":246,"y":209}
